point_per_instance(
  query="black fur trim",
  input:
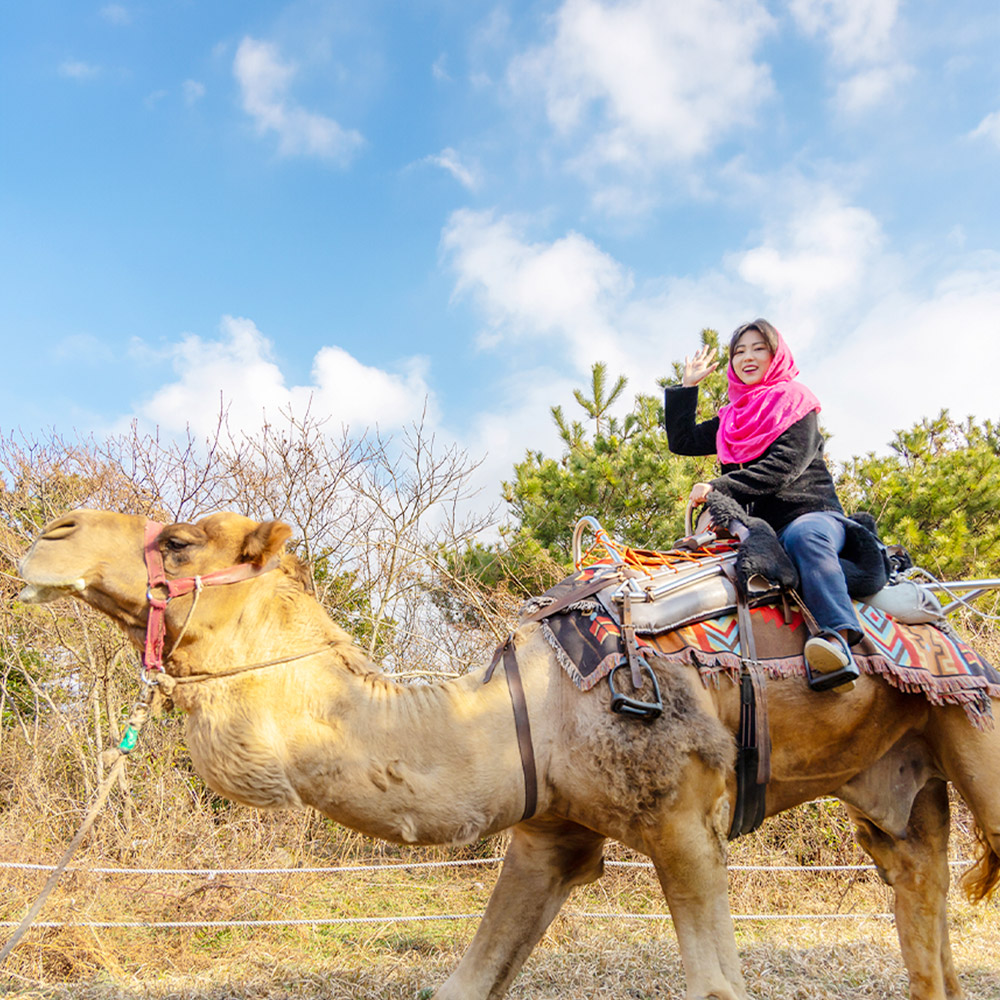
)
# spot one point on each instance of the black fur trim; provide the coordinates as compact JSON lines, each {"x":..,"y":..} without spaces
{"x":863,"y":558}
{"x":724,"y":509}
{"x":760,"y":553}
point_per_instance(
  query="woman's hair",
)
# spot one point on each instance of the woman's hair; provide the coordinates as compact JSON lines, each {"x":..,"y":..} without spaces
{"x":762,"y":326}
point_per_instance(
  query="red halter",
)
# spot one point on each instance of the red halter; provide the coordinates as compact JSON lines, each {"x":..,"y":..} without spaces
{"x":156,"y":626}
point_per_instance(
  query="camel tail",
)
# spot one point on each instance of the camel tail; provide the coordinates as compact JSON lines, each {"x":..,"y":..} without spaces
{"x":980,"y":881}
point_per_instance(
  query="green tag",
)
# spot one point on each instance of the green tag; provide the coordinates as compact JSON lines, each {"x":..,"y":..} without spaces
{"x":129,"y":740}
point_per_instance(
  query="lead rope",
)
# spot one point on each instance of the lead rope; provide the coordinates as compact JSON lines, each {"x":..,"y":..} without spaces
{"x":116,"y":756}
{"x":196,"y":593}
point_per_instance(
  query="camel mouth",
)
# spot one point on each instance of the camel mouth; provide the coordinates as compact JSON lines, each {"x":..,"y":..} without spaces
{"x":42,"y":592}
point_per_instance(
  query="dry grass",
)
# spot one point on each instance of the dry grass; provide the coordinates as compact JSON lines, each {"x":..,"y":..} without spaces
{"x":578,"y":958}
{"x":581,"y":956}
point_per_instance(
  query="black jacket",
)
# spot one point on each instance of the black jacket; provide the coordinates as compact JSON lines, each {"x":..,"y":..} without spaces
{"x":790,"y":478}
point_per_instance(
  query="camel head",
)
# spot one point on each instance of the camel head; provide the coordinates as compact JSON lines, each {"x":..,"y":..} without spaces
{"x":97,"y":557}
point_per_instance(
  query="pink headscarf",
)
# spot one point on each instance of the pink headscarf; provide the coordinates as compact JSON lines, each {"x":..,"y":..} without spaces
{"x":757,"y":414}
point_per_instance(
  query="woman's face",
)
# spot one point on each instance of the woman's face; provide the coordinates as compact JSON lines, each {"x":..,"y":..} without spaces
{"x":751,"y":357}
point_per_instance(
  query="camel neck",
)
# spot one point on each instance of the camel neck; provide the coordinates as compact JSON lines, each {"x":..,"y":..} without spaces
{"x":428,"y":763}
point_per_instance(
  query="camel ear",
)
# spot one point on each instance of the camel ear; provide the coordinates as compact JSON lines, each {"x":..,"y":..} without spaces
{"x":265,"y":541}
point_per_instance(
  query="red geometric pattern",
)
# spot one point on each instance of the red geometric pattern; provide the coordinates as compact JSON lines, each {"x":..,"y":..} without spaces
{"x":918,"y":658}
{"x":601,"y":626}
{"x":717,"y":635}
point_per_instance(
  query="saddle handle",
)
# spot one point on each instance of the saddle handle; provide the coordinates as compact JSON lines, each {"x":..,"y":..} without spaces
{"x":591,"y":522}
{"x":734,"y":527}
{"x":689,"y":518}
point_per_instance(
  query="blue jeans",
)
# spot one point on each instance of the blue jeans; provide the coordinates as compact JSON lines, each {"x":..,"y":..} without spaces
{"x":813,"y":542}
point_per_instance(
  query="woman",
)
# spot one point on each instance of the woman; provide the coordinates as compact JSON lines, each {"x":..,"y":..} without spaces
{"x":771,"y":452}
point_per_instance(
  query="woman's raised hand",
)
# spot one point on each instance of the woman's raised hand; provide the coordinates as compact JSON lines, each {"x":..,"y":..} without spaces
{"x":700,"y":366}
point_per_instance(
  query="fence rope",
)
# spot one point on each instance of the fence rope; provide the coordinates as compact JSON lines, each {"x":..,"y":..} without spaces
{"x":211,"y":873}
{"x":410,"y":919}
{"x":413,"y":865}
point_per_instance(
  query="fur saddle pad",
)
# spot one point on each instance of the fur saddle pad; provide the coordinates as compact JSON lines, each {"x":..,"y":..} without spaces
{"x":926,"y":658}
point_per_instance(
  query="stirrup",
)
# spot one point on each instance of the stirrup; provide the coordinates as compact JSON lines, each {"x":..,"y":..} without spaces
{"x":820,"y":681}
{"x":634,"y":707}
{"x":824,"y":682}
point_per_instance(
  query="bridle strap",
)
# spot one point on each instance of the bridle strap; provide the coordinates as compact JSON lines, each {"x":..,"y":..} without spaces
{"x":156,"y":628}
{"x":156,"y":576}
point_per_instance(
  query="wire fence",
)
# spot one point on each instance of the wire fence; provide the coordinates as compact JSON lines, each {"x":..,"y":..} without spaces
{"x":210,"y":874}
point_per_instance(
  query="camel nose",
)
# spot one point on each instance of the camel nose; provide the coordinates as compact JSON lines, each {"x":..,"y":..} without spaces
{"x":43,"y":580}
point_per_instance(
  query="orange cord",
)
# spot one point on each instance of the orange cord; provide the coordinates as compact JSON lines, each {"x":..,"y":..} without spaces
{"x":647,"y":560}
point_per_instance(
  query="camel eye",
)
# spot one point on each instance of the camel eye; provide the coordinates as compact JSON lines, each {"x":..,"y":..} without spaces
{"x":175,"y":544}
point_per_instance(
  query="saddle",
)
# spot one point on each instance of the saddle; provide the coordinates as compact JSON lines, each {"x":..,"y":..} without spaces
{"x":624,"y":605}
{"x":650,"y":594}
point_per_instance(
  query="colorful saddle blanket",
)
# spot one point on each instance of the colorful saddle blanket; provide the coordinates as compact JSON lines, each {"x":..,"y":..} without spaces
{"x":926,"y":659}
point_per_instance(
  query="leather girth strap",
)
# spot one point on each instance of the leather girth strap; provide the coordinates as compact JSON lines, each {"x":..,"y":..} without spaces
{"x":516,"y":688}
{"x":753,"y":754}
{"x":521,"y":722}
{"x":505,"y":651}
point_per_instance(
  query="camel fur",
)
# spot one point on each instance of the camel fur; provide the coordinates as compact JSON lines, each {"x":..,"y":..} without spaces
{"x":440,"y":763}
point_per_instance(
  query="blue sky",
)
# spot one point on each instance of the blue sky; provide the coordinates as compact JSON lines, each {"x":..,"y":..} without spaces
{"x":379,"y":205}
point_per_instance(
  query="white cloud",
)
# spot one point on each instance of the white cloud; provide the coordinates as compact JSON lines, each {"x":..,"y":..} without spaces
{"x":857,"y":31}
{"x":77,"y":69}
{"x":468,"y":175}
{"x":239,"y":370}
{"x":363,"y":396}
{"x":988,"y":128}
{"x":567,"y":289}
{"x":648,"y":82}
{"x":193,"y":91}
{"x":116,"y":13}
{"x":439,"y":69}
{"x":911,"y":356}
{"x":550,"y":310}
{"x":862,"y":39}
{"x":264,"y":84}
{"x":518,"y":418}
{"x":868,"y":88}
{"x":816,"y":260}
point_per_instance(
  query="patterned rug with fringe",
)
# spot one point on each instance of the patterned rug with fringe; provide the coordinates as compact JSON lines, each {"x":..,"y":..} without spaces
{"x":924,"y":659}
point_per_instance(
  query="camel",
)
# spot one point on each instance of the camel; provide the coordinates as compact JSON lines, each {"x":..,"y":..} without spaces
{"x":440,"y":763}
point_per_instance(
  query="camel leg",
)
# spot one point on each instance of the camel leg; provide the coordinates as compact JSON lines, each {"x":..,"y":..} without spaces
{"x":545,"y":860}
{"x":916,"y":866}
{"x":971,"y":760}
{"x":690,"y":859}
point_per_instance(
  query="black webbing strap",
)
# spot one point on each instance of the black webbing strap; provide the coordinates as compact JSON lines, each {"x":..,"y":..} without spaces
{"x":751,"y":667}
{"x":753,"y":740}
